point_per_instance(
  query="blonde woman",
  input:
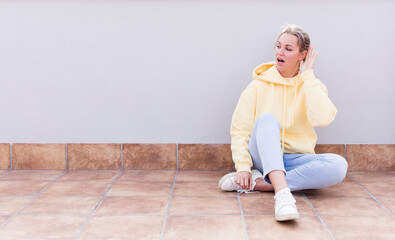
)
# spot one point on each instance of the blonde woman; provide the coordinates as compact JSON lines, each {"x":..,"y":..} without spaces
{"x":272,"y":128}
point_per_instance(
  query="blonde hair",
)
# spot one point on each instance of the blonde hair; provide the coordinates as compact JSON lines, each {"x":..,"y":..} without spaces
{"x":300,"y":33}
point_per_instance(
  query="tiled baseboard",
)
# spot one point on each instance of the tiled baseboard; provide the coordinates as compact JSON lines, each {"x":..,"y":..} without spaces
{"x":360,"y":157}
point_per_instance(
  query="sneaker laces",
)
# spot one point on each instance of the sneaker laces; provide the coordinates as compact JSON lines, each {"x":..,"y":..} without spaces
{"x":251,"y":190}
{"x":285,"y":198}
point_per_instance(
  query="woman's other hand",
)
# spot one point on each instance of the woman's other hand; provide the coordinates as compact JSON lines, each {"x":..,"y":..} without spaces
{"x":309,"y":61}
{"x":244,"y":179}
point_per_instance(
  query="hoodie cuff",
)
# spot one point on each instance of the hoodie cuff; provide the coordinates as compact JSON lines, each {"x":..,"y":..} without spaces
{"x":243,"y":168}
{"x":308,"y":75}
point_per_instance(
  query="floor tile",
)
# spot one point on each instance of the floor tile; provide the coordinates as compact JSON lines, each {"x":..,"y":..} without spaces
{"x":61,"y":205}
{"x":204,"y":227}
{"x":10,"y":205}
{"x":42,"y":227}
{"x":21,"y":187}
{"x":147,"y":176}
{"x":133,"y":205}
{"x":388,"y":202}
{"x":200,"y":176}
{"x":204,"y":206}
{"x":200,"y":189}
{"x":382,"y":189}
{"x":94,"y":156}
{"x":31,"y":175}
{"x":265,"y":206}
{"x":269,"y":194}
{"x":266,"y":194}
{"x":361,"y":227}
{"x":266,"y":227}
{"x":140,"y":189}
{"x":89,"y":175}
{"x":123,"y":227}
{"x":150,"y":156}
{"x":363,"y":177}
{"x":77,"y":188}
{"x":38,"y":156}
{"x":346,"y":189}
{"x":348,"y":206}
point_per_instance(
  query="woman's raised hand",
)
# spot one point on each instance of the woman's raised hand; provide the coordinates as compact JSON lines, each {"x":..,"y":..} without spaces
{"x":310,"y":60}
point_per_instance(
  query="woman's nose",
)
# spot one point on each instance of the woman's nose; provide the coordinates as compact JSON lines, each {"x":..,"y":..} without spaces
{"x":280,"y":51}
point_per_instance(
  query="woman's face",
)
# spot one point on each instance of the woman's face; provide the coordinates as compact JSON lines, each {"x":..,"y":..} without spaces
{"x":287,"y":54}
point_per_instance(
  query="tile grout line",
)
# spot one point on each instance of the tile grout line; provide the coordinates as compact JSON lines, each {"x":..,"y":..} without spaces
{"x":319,"y":217}
{"x":382,"y":171}
{"x":168,"y":205}
{"x":54,"y":169}
{"x":242,"y":218}
{"x":97,"y":205}
{"x":3,"y":174}
{"x":203,"y":196}
{"x":345,"y":152}
{"x":31,"y":200}
{"x":371,"y":195}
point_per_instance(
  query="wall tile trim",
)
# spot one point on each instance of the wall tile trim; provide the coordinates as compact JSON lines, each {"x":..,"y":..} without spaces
{"x":117,"y":156}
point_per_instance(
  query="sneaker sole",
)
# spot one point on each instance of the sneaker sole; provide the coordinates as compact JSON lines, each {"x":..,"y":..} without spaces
{"x":287,"y":217}
{"x":232,"y":174}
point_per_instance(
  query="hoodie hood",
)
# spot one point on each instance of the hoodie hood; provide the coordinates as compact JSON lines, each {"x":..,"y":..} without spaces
{"x":267,"y":72}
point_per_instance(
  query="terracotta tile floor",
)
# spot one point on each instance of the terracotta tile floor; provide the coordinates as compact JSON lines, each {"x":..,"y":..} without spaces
{"x":100,"y":204}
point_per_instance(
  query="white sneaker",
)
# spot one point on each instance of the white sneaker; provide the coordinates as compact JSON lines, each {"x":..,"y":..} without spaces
{"x":227,"y":182}
{"x":284,"y":207}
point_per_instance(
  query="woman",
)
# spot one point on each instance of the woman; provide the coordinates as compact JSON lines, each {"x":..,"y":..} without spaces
{"x":273,"y":128}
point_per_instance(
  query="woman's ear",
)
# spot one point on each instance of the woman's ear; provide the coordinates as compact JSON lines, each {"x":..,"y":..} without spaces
{"x":303,"y":55}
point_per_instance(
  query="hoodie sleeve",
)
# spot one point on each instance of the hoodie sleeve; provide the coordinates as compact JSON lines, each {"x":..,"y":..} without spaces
{"x":320,"y":109}
{"x":241,"y":128}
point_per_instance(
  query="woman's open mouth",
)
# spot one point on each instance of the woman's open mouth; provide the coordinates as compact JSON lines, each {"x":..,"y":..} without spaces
{"x":280,"y":61}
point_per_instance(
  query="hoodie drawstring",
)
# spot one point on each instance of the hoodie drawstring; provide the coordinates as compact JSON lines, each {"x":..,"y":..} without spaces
{"x":283,"y":119}
{"x":293,"y":115}
{"x":284,"y":116}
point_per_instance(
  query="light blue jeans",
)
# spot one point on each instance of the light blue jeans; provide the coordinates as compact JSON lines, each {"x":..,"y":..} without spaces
{"x":302,"y":171}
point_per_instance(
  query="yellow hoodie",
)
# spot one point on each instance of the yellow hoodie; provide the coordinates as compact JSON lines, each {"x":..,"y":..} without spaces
{"x":299,"y":103}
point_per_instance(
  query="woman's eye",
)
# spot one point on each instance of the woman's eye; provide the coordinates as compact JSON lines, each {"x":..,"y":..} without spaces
{"x":289,"y":49}
{"x":277,"y":46}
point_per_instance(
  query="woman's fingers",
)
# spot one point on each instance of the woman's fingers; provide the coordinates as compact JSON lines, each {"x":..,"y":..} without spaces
{"x":243,"y":182}
{"x":309,"y":61}
{"x":243,"y":179}
{"x":314,"y":58}
{"x":311,"y":53}
{"x":310,"y":58}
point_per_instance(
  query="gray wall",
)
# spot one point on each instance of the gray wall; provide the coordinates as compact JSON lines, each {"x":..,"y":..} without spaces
{"x":172,"y":71}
